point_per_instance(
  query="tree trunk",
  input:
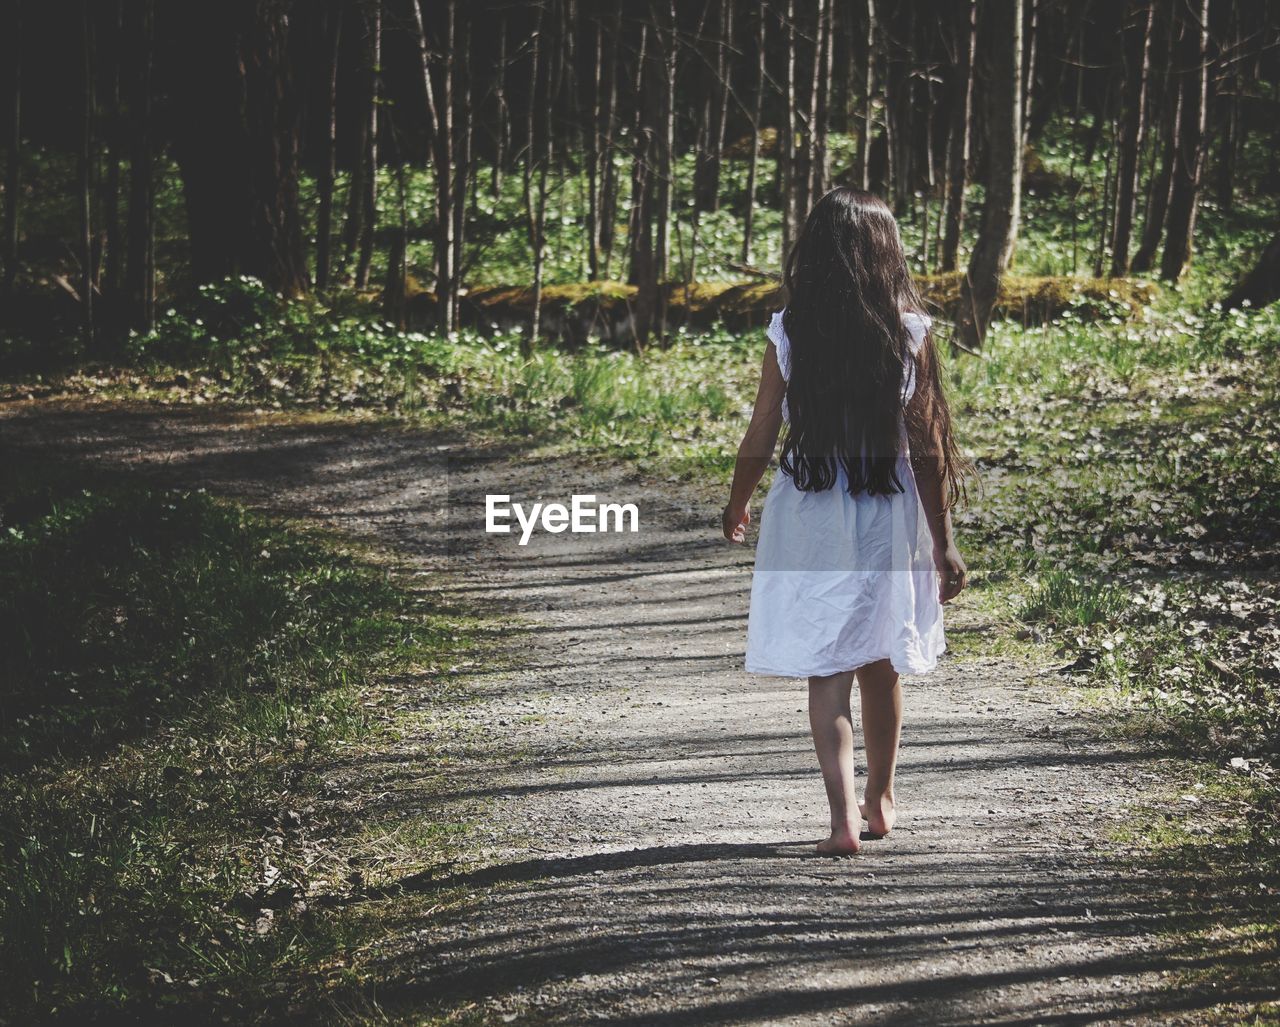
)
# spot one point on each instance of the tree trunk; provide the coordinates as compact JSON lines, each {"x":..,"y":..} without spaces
{"x":13,"y":172}
{"x":464,"y":123}
{"x":395,"y":289}
{"x":369,"y":200}
{"x":1162,"y":174}
{"x":869,"y":98}
{"x":275,"y":250}
{"x":748,"y":223}
{"x":1137,"y":57}
{"x":609,"y":175}
{"x":113,"y":263}
{"x":328,"y":153}
{"x":819,"y":164}
{"x":1106,"y":203}
{"x":701,"y":142}
{"x":1193,"y":54}
{"x":594,"y":167}
{"x":535,"y":169}
{"x":140,"y":271}
{"x":961,"y":134}
{"x":1260,"y":286}
{"x":787,"y":134}
{"x":669,"y":43}
{"x":724,"y":76}
{"x":353,"y":225}
{"x":440,"y":125}
{"x":1228,"y":105}
{"x":1003,"y":29}
{"x":641,"y":271}
{"x":502,"y":135}
{"x":1030,"y":45}
{"x":710,"y":141}
{"x":237,"y":144}
{"x":85,"y":177}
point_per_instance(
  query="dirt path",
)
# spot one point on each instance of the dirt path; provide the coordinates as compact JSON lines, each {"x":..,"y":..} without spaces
{"x":655,"y":809}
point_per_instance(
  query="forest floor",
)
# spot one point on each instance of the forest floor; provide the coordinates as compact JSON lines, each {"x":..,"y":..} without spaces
{"x":642,"y":814}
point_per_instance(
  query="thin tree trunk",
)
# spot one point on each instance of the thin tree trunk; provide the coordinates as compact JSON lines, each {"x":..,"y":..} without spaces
{"x":1137,"y":56}
{"x":748,"y":223}
{"x":357,"y":187}
{"x":370,"y":199}
{"x":716,"y":70}
{"x":1105,"y":204}
{"x":1003,"y":29}
{"x":565,"y":84}
{"x":641,"y":272}
{"x":1184,"y":192}
{"x":394,"y":292}
{"x":897,"y":107}
{"x":787,"y":134}
{"x":869,"y":98}
{"x":666,"y":150}
{"x":85,"y":177}
{"x":1229,"y":114}
{"x":353,"y":225}
{"x":536,"y":170}
{"x":439,"y":121}
{"x":328,"y":155}
{"x":462,"y":178}
{"x":961,"y":135}
{"x":13,"y":172}
{"x":847,"y":62}
{"x":272,"y":124}
{"x":819,"y":160}
{"x":593,"y":155}
{"x":140,"y":268}
{"x":113,"y":265}
{"x":724,"y":75}
{"x":609,"y":175}
{"x":1162,"y":173}
{"x":1030,"y":45}
{"x":502,"y":135}
{"x":701,"y":146}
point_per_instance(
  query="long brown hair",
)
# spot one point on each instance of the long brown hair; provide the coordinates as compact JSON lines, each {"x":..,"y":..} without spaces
{"x":847,"y":286}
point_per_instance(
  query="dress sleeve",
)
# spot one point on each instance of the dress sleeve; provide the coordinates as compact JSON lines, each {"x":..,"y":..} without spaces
{"x":918,"y":326}
{"x":781,"y":344}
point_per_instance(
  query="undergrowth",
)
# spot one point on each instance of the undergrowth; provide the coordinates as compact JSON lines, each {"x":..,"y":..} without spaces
{"x":175,"y":672}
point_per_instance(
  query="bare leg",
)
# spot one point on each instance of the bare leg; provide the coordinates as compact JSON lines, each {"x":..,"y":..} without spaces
{"x":832,"y":725}
{"x":881,"y":729}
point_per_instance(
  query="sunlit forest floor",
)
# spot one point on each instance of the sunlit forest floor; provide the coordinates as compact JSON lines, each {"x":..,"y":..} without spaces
{"x":1122,"y":525}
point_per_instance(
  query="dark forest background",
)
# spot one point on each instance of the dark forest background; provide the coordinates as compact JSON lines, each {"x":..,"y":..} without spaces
{"x":407,"y":147}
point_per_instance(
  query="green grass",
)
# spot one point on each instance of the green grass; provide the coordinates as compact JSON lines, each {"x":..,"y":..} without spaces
{"x":177,"y":672}
{"x":1208,"y":833}
{"x":1130,"y":471}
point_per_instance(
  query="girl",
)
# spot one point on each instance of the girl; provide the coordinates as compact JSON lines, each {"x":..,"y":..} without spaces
{"x":855,"y":553}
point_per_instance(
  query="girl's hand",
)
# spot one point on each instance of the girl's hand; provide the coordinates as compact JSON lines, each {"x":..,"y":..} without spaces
{"x":734,"y":523}
{"x":951,"y":572}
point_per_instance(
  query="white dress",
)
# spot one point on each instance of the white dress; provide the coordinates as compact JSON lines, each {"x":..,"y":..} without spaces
{"x":842,"y":581}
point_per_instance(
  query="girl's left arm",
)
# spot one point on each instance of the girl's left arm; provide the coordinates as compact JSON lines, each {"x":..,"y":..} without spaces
{"x":756,"y":449}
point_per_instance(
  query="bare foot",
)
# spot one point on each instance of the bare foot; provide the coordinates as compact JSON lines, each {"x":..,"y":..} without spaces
{"x":841,"y":843}
{"x":879,"y":815}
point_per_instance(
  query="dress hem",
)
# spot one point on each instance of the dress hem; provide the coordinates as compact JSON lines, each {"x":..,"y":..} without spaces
{"x":910,"y":669}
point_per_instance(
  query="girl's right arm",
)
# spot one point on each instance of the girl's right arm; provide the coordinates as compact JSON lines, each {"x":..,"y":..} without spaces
{"x":927,"y":465}
{"x":756,"y":449}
